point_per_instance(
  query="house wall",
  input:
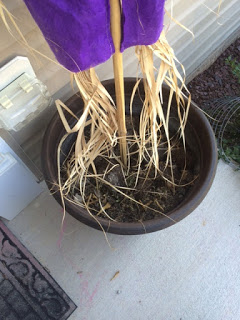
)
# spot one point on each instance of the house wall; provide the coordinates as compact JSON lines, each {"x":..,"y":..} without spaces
{"x":212,"y":33}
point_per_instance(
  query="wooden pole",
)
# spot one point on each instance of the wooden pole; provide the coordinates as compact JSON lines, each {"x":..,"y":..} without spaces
{"x":118,"y":77}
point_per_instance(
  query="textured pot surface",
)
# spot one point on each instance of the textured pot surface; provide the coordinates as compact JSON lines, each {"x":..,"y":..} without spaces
{"x":198,"y":130}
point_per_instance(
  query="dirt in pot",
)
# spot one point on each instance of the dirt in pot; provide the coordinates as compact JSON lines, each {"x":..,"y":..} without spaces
{"x":118,"y":197}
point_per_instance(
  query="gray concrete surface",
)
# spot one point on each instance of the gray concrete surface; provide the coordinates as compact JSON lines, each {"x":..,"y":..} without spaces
{"x":190,"y":271}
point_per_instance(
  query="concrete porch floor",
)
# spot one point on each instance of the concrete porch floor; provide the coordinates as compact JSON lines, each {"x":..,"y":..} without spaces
{"x":190,"y":271}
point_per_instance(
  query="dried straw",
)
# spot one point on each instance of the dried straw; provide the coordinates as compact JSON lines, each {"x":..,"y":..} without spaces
{"x":154,"y":122}
{"x":96,"y":133}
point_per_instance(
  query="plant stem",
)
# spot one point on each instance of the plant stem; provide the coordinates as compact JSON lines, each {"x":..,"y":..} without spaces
{"x":118,"y":77}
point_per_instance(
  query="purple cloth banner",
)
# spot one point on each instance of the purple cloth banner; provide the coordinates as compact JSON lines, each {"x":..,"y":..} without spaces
{"x":142,"y":22}
{"x":78,"y":31}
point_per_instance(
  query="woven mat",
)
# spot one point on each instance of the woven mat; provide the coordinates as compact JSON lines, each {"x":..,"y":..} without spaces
{"x":27,"y":291}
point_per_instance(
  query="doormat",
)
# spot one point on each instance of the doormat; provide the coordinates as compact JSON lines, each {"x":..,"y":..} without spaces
{"x":27,"y":291}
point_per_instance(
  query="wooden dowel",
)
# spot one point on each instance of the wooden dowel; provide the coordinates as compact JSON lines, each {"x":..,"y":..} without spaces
{"x":118,"y":77}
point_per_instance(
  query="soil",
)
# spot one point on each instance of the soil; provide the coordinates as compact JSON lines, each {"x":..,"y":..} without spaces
{"x":218,"y":80}
{"x":155,"y":193}
{"x":154,"y":196}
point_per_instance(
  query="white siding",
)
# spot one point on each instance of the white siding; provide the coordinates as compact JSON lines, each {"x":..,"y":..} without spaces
{"x":52,"y":75}
{"x":211,"y":34}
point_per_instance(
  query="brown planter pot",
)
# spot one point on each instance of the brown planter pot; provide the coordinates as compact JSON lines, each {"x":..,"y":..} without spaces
{"x":198,"y":133}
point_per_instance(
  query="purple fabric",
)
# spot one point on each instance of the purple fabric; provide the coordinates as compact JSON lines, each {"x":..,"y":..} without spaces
{"x":78,"y":31}
{"x":142,"y":22}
